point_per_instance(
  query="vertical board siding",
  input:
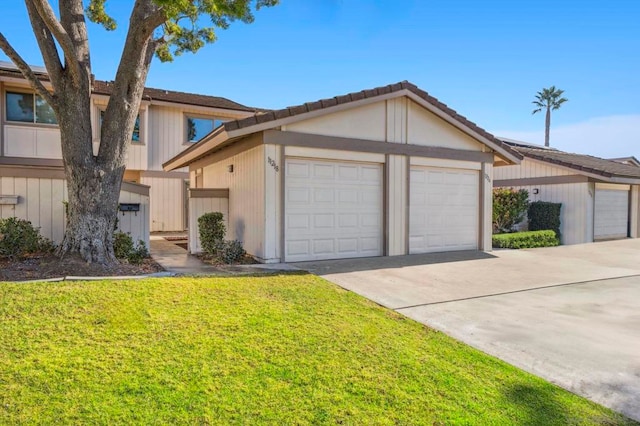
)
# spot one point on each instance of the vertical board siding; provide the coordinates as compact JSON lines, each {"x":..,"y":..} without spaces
{"x":577,"y":203}
{"x":41,"y":202}
{"x":246,"y":196}
{"x":167,"y":203}
{"x":135,"y":224}
{"x":198,"y":207}
{"x":273,"y":203}
{"x":528,"y":169}
{"x":397,"y":120}
{"x":397,"y":205}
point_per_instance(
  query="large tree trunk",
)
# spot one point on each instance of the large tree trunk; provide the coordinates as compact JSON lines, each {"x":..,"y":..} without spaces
{"x":547,"y":126}
{"x":93,"y":185}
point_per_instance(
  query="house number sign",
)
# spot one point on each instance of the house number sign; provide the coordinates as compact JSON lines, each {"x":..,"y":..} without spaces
{"x":273,"y":164}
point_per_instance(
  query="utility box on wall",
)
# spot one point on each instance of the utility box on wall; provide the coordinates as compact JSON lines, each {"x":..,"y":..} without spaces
{"x":8,"y":199}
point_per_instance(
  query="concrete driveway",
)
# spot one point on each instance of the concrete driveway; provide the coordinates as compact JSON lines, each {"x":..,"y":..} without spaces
{"x":569,"y":314}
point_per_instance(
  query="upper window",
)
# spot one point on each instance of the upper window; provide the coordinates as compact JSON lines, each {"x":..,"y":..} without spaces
{"x":135,"y":136}
{"x":29,"y":108}
{"x":198,"y":127}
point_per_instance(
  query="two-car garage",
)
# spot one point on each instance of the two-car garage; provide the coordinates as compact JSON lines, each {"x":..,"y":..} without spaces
{"x":336,"y":209}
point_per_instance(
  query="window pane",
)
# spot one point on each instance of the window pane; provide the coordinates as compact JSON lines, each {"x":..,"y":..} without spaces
{"x":197,"y":128}
{"x":19,"y":107}
{"x":135,"y":137}
{"x":44,"y":112}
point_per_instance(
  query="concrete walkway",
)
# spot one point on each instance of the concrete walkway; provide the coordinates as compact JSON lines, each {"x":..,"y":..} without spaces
{"x":177,"y":260}
{"x":569,"y":314}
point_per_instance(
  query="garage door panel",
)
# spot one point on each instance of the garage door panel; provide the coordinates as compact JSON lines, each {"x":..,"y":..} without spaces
{"x":344,"y":213}
{"x":611,"y":214}
{"x":444,"y":209}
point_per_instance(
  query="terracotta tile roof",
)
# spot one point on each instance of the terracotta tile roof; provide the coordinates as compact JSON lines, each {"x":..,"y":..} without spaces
{"x":365,"y":94}
{"x":579,"y":162}
{"x":104,"y":88}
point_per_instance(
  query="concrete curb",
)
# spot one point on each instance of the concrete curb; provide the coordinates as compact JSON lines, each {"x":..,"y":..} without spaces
{"x":162,"y":274}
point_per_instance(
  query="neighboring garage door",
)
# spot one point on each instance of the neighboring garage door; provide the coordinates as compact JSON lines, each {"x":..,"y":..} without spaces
{"x":611,"y":212}
{"x":444,"y":208}
{"x":333,"y":209}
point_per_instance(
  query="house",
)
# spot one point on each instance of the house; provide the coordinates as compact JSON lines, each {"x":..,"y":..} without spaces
{"x":600,"y":197}
{"x":387,"y":171}
{"x":32,"y":182}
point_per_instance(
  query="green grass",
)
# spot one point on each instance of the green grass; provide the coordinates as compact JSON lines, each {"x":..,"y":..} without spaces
{"x":290,"y":349}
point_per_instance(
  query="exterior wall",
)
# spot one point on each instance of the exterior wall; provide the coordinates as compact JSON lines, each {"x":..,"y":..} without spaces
{"x":41,"y":201}
{"x":529,"y":169}
{"x":397,"y":204}
{"x":634,"y":217}
{"x":34,"y":141}
{"x":365,"y":122}
{"x":246,"y":186}
{"x":135,"y":224}
{"x":200,"y":206}
{"x":425,"y":128}
{"x":168,"y":200}
{"x":576,"y":215}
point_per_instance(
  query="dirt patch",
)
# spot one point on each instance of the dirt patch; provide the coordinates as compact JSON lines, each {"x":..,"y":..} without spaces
{"x":50,"y":266}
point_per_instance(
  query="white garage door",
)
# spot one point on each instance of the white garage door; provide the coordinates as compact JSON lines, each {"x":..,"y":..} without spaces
{"x":444,"y":209}
{"x":611,"y":213}
{"x":333,"y":209}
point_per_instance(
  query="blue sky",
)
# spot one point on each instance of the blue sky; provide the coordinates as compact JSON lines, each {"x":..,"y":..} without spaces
{"x":486,"y":59}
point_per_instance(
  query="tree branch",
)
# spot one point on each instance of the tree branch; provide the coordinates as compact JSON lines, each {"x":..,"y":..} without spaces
{"x":47,"y":45}
{"x":49,"y":18}
{"x":27,"y":72}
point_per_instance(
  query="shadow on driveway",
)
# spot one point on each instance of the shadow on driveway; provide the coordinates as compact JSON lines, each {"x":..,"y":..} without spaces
{"x":325,"y":267}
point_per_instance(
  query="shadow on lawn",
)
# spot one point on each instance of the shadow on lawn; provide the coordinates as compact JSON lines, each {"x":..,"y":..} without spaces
{"x":537,"y":404}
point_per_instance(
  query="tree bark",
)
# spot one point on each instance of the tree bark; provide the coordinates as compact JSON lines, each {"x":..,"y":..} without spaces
{"x":547,"y":126}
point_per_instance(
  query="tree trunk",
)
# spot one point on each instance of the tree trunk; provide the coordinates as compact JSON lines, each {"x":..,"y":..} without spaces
{"x":547,"y":126}
{"x":93,"y":187}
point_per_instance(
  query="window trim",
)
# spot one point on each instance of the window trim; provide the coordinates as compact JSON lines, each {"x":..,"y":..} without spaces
{"x":185,"y":127}
{"x":22,"y":90}
{"x":143,"y":134}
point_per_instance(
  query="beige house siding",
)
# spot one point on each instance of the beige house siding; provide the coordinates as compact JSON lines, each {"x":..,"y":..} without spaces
{"x":529,"y":169}
{"x":41,"y":202}
{"x":426,"y":129}
{"x":576,"y":215}
{"x":365,"y":122}
{"x":168,"y":199}
{"x":246,"y":186}
{"x":397,"y":186}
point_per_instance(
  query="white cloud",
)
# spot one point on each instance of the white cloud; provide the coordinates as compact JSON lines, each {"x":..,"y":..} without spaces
{"x":613,"y":136}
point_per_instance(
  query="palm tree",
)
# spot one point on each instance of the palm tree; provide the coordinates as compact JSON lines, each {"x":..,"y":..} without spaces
{"x":550,"y":99}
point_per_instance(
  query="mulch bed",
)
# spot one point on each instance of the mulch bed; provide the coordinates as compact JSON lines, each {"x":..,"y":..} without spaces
{"x":49,"y":266}
{"x":212,"y":260}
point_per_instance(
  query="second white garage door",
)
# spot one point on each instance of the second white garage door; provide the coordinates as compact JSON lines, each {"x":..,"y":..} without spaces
{"x":444,"y":205}
{"x":611,"y":212}
{"x":333,"y":209}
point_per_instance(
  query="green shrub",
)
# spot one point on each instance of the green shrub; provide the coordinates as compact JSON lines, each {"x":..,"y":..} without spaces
{"x":18,"y":237}
{"x":122,"y":245}
{"x":230,"y":251}
{"x":211,"y":229}
{"x":509,"y":208}
{"x":544,"y":215}
{"x":125,"y":250}
{"x":529,"y":239}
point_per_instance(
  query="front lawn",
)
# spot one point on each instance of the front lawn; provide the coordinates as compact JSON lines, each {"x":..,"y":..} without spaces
{"x":290,"y":349}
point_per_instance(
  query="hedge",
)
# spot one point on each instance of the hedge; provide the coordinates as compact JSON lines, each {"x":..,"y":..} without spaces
{"x":544,"y":215}
{"x":509,"y":208}
{"x":529,"y":239}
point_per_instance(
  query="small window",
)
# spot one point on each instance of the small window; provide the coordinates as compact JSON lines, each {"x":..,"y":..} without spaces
{"x":135,"y":136}
{"x":29,"y":108}
{"x":198,"y":127}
